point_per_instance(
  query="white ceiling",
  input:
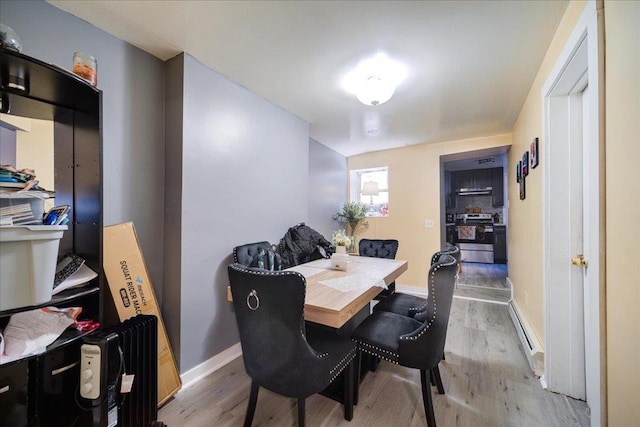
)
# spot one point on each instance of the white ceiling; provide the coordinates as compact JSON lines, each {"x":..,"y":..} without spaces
{"x":470,"y":63}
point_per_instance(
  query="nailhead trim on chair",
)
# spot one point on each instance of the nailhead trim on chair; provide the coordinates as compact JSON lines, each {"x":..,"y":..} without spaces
{"x":386,"y":354}
{"x":350,"y":356}
{"x":362,"y":347}
{"x":433,"y":296}
{"x":435,"y":256}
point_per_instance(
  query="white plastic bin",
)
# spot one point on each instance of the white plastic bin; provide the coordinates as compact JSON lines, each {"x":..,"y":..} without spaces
{"x":28,"y":257}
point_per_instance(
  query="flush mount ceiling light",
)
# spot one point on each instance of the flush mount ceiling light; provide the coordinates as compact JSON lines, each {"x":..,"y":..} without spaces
{"x":374,"y":80}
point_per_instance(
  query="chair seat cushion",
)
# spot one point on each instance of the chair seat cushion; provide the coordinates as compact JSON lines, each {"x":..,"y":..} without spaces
{"x":340,"y":350}
{"x":401,"y":303}
{"x":378,"y":334}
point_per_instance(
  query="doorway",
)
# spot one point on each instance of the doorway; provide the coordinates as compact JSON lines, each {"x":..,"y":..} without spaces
{"x":573,"y":217}
{"x":475,"y":216}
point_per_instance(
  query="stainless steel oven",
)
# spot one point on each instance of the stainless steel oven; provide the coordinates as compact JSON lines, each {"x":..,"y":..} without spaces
{"x":474,"y":237}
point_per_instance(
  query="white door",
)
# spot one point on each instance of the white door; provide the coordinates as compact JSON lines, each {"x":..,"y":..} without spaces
{"x":572,"y":215}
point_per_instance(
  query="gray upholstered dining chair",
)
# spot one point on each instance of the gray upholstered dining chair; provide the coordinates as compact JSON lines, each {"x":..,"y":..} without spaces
{"x":410,"y":342}
{"x":258,"y":254}
{"x":409,"y":305}
{"x":247,"y":254}
{"x":279,"y":352}
{"x":379,"y":248}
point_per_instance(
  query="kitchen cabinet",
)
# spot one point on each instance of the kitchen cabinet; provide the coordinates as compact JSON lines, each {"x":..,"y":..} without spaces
{"x":497,"y":185}
{"x":500,"y":244}
{"x":40,"y":389}
{"x":449,"y":190}
{"x":451,"y":234}
{"x":476,"y":178}
{"x":479,"y":178}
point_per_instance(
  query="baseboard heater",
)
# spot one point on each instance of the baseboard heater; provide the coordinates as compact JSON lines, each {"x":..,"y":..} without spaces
{"x":129,"y":347}
{"x":531,"y":345}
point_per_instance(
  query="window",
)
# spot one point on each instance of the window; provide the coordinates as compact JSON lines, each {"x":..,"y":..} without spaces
{"x":371,"y":186}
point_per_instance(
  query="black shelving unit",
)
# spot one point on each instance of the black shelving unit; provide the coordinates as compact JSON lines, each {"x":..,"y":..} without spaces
{"x":40,"y":388}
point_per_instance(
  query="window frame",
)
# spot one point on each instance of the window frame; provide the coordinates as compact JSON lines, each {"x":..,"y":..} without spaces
{"x":355,"y":191}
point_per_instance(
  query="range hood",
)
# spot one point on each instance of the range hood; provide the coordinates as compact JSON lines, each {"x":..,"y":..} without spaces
{"x":483,"y":191}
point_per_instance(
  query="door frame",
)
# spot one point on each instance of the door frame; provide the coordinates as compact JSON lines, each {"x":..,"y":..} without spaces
{"x":580,"y":63}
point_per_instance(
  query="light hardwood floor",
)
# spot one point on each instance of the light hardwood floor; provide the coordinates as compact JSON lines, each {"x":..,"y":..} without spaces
{"x":484,"y":282}
{"x":486,"y":275}
{"x":487,"y":380}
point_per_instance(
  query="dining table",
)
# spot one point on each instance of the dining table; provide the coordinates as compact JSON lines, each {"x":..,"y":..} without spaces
{"x":333,"y":297}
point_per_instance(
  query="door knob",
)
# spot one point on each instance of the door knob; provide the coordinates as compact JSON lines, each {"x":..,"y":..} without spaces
{"x":579,"y":261}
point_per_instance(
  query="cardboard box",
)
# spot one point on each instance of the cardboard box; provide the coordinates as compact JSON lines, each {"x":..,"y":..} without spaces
{"x":133,"y":294}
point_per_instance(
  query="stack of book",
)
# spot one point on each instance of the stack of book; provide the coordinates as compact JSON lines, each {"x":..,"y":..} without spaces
{"x":18,"y":214}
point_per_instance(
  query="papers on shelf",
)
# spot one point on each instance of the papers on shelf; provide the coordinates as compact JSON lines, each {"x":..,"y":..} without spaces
{"x":82,"y":276}
{"x":30,"y":332}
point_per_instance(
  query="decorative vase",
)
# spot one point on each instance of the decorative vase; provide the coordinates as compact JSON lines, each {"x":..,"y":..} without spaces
{"x":341,"y":250}
{"x":352,"y":247}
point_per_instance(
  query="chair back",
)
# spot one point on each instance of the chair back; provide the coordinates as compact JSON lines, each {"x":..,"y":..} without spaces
{"x":247,"y":254}
{"x":452,"y":250}
{"x":424,"y":347}
{"x":269,"y":312}
{"x":378,"y":248}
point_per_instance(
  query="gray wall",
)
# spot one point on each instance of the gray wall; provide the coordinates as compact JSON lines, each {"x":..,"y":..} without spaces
{"x":171,"y":311}
{"x":244,"y":172}
{"x":7,"y":146}
{"x":238,"y":169}
{"x":132,"y":82}
{"x":327,"y":187}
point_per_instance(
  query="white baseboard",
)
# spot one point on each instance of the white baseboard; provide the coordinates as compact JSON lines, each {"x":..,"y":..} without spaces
{"x":543,"y":382}
{"x":209,"y":366}
{"x":413,"y":290}
{"x":510,"y":284}
{"x":530,"y":343}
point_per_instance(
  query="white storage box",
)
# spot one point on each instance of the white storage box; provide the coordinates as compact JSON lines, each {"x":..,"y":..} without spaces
{"x":28,"y":257}
{"x":26,"y":208}
{"x":339,"y":262}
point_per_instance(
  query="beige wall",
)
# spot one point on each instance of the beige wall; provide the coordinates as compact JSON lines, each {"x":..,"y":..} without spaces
{"x":525,"y":216}
{"x":414,"y":184}
{"x":622,"y":36}
{"x":35,"y":151}
{"x":414,"y":195}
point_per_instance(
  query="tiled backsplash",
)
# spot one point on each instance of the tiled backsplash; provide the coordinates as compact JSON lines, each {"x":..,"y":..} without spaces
{"x":482,"y":202}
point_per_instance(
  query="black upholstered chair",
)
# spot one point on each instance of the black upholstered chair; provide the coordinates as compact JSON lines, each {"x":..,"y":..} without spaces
{"x":247,"y":254}
{"x":378,"y":248}
{"x":409,"y":305}
{"x":279,"y":353}
{"x":409,"y":342}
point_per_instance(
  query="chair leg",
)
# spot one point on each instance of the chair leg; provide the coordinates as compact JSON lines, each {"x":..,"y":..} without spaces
{"x":349,"y":390}
{"x":373,"y":363}
{"x":356,"y":383}
{"x":251,"y":407}
{"x":426,"y":399}
{"x":301,"y":417}
{"x":436,"y":376}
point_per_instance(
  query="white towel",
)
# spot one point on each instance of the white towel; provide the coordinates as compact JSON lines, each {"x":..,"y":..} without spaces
{"x":467,"y":232}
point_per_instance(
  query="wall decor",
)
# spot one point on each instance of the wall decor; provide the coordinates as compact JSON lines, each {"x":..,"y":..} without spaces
{"x":518,"y":171}
{"x":525,"y":164}
{"x":534,"y":153}
{"x":522,"y":189}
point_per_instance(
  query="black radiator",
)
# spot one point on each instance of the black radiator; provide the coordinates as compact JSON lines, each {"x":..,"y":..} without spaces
{"x":134,"y":352}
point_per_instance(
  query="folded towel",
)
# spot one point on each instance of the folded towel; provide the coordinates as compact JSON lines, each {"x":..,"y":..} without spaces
{"x":467,"y":232}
